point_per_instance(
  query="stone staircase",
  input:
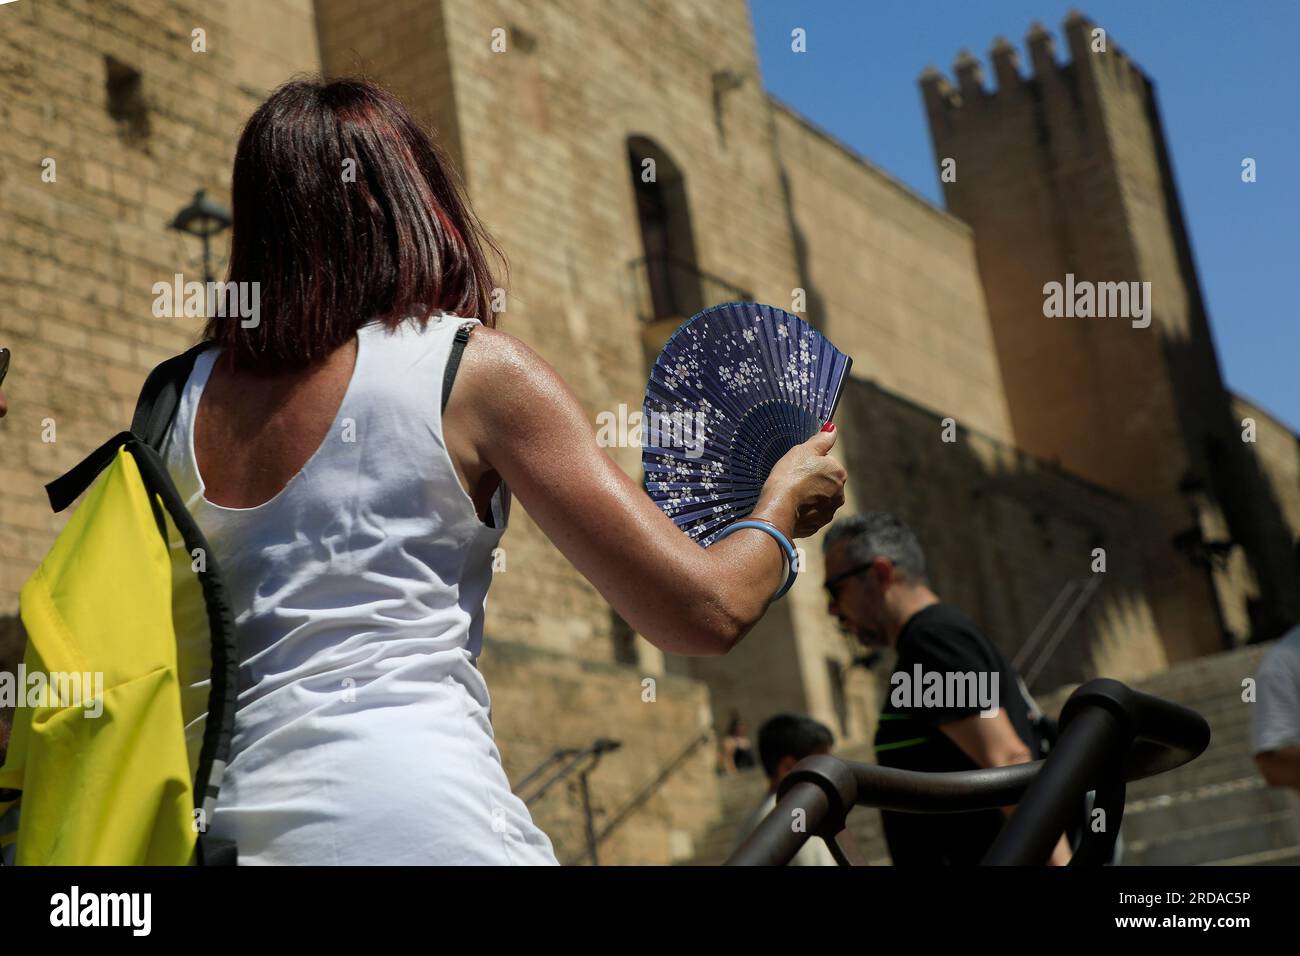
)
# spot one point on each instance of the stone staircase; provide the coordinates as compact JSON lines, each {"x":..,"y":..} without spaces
{"x":1215,"y":810}
{"x":739,"y":793}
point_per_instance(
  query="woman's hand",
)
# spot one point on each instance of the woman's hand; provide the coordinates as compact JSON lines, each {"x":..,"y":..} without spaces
{"x":807,"y":484}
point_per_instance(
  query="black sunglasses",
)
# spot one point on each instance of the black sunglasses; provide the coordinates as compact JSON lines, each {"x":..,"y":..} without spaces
{"x":831,"y":583}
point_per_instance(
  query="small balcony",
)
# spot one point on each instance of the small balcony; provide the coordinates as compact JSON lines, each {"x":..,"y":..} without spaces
{"x":667,"y":291}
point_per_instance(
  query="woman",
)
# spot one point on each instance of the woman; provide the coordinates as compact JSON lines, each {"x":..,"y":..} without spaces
{"x":355,"y":522}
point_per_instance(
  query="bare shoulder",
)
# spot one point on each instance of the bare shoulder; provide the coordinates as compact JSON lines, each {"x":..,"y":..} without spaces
{"x":492,"y":350}
{"x":506,"y":381}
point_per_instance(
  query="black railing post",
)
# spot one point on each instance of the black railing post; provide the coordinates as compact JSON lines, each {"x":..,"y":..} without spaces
{"x":1088,"y":744}
{"x":775,"y":841}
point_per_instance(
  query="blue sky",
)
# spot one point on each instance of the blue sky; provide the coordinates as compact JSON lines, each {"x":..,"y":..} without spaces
{"x":1225,"y":75}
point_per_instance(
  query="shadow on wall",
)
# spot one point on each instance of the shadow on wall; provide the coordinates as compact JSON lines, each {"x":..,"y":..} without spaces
{"x":815,"y":311}
{"x":1231,"y":471}
{"x":1255,"y":516}
{"x":1003,"y":533}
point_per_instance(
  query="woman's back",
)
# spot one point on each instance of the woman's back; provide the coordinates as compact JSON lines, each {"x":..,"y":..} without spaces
{"x":358,"y":589}
{"x":355,"y":561}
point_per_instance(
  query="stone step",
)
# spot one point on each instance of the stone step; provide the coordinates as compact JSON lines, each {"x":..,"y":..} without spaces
{"x":1214,"y":842}
{"x":1202,"y":670}
{"x":1216,"y":809}
{"x":1204,"y":771}
{"x":1226,"y":708}
{"x":1207,"y":687}
{"x":1288,"y":856}
{"x":742,"y":789}
{"x":1233,"y":742}
{"x":1242,"y":800}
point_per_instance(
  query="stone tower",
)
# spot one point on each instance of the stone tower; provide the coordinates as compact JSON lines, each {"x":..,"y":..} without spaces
{"x":1065,"y":173}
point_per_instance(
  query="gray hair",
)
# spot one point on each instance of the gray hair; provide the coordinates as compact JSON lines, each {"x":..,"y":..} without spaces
{"x":878,"y":534}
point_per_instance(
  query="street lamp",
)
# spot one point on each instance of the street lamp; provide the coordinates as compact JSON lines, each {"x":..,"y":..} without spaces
{"x":205,"y":219}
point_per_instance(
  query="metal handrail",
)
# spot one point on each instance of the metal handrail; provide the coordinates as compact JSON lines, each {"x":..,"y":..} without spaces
{"x":1110,"y":734}
{"x":582,"y":762}
{"x":1063,"y":628}
{"x":638,"y":799}
{"x":1037,"y":650}
{"x":1031,"y":643}
{"x":594,"y":751}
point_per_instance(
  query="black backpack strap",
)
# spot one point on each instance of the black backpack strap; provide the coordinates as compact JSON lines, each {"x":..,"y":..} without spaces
{"x":453,"y":360}
{"x":210,"y":851}
{"x":160,"y":396}
{"x":458,"y":344}
{"x":154,"y":411}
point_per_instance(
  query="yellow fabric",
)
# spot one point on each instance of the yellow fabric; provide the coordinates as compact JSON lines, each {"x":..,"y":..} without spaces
{"x":112,"y":789}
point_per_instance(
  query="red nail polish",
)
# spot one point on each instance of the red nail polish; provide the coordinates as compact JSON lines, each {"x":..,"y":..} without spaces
{"x":828,"y":427}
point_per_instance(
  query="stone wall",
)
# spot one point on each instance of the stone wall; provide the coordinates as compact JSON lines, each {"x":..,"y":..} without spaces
{"x":79,"y":256}
{"x":542,"y":702}
{"x":1003,"y":533}
{"x":1065,"y":172}
{"x":1277,"y":449}
{"x":891,"y":279}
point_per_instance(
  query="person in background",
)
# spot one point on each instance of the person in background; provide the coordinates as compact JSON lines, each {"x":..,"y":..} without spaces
{"x":878,"y":589}
{"x":737,"y":750}
{"x":783,"y":741}
{"x":1275,"y":719}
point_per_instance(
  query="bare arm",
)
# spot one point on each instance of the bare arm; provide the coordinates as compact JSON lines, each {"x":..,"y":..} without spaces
{"x":989,"y":741}
{"x":516,"y":416}
{"x":1281,"y":767}
{"x":993,"y":742}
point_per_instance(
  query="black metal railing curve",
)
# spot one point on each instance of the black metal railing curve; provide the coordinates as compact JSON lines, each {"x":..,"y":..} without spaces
{"x":1110,"y":734}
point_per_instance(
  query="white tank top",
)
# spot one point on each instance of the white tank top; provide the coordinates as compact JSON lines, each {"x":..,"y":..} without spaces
{"x":363,"y":734}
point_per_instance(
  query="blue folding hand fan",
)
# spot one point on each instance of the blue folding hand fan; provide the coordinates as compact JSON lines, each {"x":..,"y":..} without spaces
{"x":734,"y":389}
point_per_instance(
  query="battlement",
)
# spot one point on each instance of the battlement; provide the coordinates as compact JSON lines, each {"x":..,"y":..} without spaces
{"x":1081,"y":38}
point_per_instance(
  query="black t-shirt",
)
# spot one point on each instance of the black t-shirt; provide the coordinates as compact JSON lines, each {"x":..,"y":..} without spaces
{"x":943,"y":641}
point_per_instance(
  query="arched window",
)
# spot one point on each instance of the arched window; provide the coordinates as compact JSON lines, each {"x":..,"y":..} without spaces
{"x":668,"y":273}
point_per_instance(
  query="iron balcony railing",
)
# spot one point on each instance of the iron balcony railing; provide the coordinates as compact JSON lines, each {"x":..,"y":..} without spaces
{"x":666,"y":287}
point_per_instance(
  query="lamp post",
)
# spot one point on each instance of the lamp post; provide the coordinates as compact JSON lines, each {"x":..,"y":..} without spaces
{"x":205,"y":219}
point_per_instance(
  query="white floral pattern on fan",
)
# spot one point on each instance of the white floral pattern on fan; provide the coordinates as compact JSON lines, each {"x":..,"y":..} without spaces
{"x":756,"y":380}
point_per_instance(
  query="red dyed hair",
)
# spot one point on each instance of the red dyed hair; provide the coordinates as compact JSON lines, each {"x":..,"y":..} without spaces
{"x":331,"y":254}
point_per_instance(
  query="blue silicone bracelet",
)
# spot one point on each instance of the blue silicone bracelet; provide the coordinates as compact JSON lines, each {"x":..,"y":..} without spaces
{"x":787,"y":548}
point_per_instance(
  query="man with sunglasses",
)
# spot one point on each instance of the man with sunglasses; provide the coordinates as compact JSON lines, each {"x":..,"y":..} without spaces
{"x":879,"y":592}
